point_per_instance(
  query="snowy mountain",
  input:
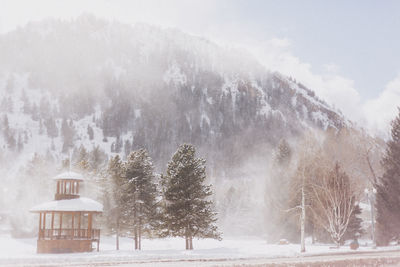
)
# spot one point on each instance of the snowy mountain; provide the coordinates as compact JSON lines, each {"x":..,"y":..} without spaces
{"x":121,"y":87}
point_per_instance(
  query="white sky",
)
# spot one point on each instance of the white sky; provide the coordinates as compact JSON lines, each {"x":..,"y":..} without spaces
{"x":346,"y":51}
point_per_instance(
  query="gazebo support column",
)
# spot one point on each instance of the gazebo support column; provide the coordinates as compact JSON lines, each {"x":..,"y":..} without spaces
{"x":52,"y":225}
{"x":79,"y":224}
{"x":44,"y":225}
{"x":40,"y":226}
{"x":89,"y":225}
{"x":73,"y":227}
{"x":59,"y":233}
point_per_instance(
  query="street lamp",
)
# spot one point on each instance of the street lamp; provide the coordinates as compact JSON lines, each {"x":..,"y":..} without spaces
{"x":371,"y":198}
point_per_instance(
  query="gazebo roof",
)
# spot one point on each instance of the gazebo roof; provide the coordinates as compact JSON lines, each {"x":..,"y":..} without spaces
{"x":77,"y":204}
{"x":69,"y":176}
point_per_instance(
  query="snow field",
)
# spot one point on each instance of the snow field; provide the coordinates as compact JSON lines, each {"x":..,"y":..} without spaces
{"x":23,"y":251}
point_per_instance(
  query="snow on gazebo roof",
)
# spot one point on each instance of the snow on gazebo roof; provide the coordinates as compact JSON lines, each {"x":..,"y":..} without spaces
{"x":77,"y":204}
{"x":69,"y":176}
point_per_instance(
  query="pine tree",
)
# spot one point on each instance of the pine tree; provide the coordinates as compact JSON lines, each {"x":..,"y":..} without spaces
{"x":83,"y":159}
{"x":354,"y":229}
{"x":52,"y":130}
{"x":277,"y":186}
{"x":96,"y":158}
{"x":188,"y":211}
{"x":127,"y":147}
{"x":142,"y":191}
{"x":20,"y":143}
{"x":116,"y":211}
{"x":67,"y":132}
{"x":90,"y":132}
{"x":388,"y":190}
{"x":284,"y":153}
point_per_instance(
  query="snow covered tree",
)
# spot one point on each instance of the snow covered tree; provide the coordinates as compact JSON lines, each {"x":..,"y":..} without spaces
{"x":188,"y":210}
{"x":142,"y":194}
{"x":388,"y":190}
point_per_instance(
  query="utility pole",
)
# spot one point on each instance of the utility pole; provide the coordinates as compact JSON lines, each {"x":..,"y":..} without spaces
{"x":371,"y":199}
{"x":303,"y":219}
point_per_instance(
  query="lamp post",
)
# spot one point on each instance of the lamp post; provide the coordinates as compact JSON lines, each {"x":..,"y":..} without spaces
{"x":371,"y":198}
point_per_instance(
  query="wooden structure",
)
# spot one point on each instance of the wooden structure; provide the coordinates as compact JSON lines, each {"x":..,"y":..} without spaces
{"x":66,"y":224}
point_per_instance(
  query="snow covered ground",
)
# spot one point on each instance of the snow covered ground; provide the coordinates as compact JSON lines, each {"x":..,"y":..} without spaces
{"x":23,"y":251}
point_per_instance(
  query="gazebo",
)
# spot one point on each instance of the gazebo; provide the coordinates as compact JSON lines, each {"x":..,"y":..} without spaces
{"x":66,"y":224}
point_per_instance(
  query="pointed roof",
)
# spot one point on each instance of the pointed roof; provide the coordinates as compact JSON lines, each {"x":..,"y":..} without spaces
{"x":77,"y":204}
{"x":69,"y":176}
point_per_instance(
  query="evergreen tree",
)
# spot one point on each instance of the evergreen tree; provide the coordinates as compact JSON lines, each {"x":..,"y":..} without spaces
{"x":67,"y":132}
{"x":187,"y":209}
{"x":96,"y":158}
{"x":20,"y":144}
{"x":40,"y":127}
{"x":116,"y":211}
{"x":127,"y":147}
{"x":277,"y":197}
{"x":388,"y":190}
{"x":51,"y":127}
{"x":35,"y":112}
{"x":142,"y":192}
{"x":90,"y":132}
{"x":118,"y":144}
{"x":354,"y":229}
{"x":82,"y":161}
{"x":11,"y":142}
{"x":284,"y":153}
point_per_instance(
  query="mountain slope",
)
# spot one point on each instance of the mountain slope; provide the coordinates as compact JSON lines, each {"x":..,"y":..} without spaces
{"x":147,"y":87}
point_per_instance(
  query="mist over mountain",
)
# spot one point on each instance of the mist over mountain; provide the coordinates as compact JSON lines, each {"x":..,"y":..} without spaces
{"x":112,"y":88}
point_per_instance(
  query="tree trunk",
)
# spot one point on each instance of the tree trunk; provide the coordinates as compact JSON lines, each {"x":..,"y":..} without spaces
{"x":136,"y":238}
{"x":303,"y":220}
{"x":117,"y":236}
{"x":140,"y":235}
{"x":186,"y":238}
{"x":191,"y":243}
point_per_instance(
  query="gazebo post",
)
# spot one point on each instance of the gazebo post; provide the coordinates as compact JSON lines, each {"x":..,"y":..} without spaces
{"x":40,"y":225}
{"x":79,"y":224}
{"x":59,"y":233}
{"x":44,"y":224}
{"x":89,"y":224}
{"x":52,"y":225}
{"x":73,"y":228}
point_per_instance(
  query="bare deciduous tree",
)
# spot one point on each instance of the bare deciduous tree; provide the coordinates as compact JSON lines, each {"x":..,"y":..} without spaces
{"x":333,"y":202}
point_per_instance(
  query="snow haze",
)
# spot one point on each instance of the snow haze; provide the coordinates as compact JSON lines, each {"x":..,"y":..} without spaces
{"x":340,"y":65}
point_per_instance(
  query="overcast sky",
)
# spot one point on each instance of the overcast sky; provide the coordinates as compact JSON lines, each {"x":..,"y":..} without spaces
{"x":346,"y":51}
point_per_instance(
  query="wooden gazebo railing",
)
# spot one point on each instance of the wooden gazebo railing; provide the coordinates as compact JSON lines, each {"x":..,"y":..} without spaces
{"x":71,"y":234}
